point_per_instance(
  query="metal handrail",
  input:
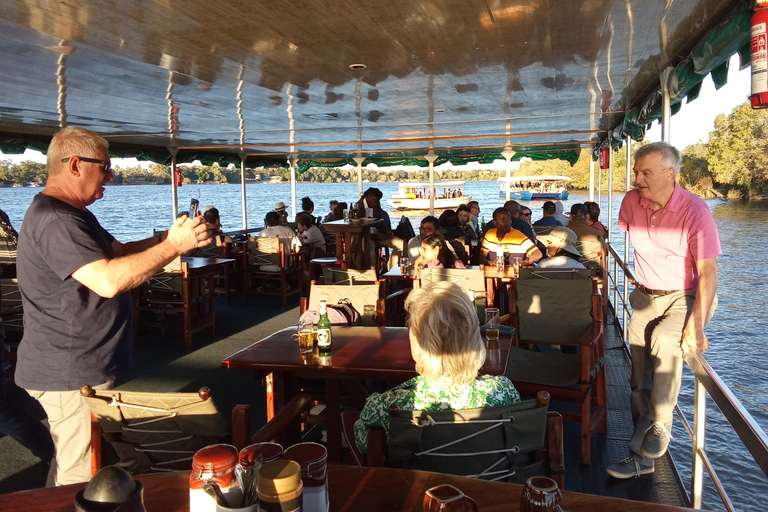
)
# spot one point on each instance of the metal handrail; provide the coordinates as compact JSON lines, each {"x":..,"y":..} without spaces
{"x":706,"y":381}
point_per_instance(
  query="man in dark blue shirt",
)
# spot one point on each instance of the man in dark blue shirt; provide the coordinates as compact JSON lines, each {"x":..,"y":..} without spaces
{"x":75,"y":281}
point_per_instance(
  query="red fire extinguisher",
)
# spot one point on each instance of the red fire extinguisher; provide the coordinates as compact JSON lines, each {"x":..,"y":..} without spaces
{"x":604,"y":158}
{"x":177,"y":177}
{"x":759,"y":97}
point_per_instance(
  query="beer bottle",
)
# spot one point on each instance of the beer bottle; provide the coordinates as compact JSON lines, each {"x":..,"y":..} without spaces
{"x":323,"y":331}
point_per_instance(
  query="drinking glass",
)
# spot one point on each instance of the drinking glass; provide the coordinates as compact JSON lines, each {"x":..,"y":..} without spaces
{"x":492,"y":324}
{"x":516,"y":261}
{"x":447,"y":498}
{"x":346,"y":215}
{"x":306,"y":329}
{"x":404,"y":264}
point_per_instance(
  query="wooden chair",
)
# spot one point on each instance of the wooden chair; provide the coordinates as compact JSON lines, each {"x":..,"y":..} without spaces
{"x":172,"y":292}
{"x":271,"y":260}
{"x":562,"y":307}
{"x":159,"y":432}
{"x":12,"y":311}
{"x":472,"y":280}
{"x":348,"y":276}
{"x":366,"y":299}
{"x":156,"y":431}
{"x":506,"y":443}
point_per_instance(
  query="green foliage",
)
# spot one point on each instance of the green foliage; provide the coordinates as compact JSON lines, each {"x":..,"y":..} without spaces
{"x":738,"y":150}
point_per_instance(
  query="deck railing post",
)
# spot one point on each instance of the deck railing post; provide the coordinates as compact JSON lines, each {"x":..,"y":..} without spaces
{"x":699,"y":422}
{"x":174,"y":191}
{"x":431,"y":157}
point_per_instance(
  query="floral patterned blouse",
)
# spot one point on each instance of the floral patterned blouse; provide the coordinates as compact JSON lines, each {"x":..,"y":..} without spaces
{"x":418,"y":394}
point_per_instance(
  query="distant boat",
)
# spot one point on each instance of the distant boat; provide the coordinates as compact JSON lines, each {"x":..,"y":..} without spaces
{"x":534,"y":187}
{"x":415,"y":195}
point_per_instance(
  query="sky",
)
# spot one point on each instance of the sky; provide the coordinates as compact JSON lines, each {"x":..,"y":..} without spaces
{"x":690,"y":125}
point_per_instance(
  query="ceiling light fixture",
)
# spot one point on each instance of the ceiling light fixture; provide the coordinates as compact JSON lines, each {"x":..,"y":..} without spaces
{"x":358,"y":67}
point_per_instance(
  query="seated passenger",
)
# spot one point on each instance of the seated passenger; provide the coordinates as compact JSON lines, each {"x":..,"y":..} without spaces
{"x":449,"y":352}
{"x":337,"y":213}
{"x":428,"y":226}
{"x":560,"y":249}
{"x":310,"y":232}
{"x":590,"y":243}
{"x":272,"y":226}
{"x":593,"y":218}
{"x":435,"y":253}
{"x":503,"y":237}
{"x":450,"y":226}
{"x":333,"y":205}
{"x":548,"y":219}
{"x":218,"y":237}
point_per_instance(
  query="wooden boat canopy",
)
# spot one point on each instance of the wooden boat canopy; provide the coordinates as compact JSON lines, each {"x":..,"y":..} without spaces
{"x":334,"y":80}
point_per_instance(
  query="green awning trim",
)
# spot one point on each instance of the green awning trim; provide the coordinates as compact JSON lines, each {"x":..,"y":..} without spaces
{"x":709,"y":57}
{"x":570,"y":156}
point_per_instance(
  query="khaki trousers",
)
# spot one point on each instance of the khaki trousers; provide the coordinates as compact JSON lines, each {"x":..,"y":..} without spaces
{"x":69,"y":420}
{"x":655,"y":333}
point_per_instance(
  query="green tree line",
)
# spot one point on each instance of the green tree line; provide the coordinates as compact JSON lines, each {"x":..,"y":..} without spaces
{"x":734,"y":160}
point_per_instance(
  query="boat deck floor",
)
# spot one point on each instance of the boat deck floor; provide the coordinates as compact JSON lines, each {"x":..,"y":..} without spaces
{"x":162,"y":365}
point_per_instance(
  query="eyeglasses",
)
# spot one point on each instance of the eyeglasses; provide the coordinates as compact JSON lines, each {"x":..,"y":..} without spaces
{"x":106,"y":166}
{"x":527,"y":214}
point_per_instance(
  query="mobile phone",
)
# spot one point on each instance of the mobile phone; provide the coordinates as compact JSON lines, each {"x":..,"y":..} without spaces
{"x":194,"y":204}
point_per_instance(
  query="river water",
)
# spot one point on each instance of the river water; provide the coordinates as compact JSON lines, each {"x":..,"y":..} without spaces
{"x":737,"y":333}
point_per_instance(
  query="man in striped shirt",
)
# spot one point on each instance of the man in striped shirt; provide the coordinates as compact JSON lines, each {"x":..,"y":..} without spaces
{"x":512,"y":241}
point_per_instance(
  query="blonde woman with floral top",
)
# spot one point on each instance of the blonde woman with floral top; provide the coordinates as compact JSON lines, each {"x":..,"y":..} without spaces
{"x":449,"y":351}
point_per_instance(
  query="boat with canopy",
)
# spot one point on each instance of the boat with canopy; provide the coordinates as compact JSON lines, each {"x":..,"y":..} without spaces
{"x":534,"y":187}
{"x":416,"y":196}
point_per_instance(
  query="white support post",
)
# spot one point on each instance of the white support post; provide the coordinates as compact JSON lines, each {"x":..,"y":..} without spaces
{"x":508,"y":154}
{"x":431,"y":157}
{"x":666,"y":107}
{"x":359,"y":161}
{"x":243,"y":199}
{"x":591,"y":180}
{"x":293,"y":162}
{"x":174,"y":191}
{"x":699,"y":424}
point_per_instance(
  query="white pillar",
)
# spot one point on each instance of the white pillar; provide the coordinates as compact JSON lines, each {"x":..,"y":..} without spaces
{"x":243,"y":200}
{"x":174,"y":192}
{"x":431,"y":157}
{"x":293,"y":162}
{"x":359,"y":161}
{"x":665,"y":105}
{"x":591,"y":180}
{"x":508,"y":154}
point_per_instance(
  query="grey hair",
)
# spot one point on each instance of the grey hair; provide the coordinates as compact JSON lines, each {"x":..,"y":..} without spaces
{"x":669,"y":154}
{"x":73,"y":141}
{"x":444,"y":323}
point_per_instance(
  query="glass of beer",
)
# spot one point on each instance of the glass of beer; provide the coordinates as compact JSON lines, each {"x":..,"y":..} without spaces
{"x":404,"y":264}
{"x":306,"y":330}
{"x":492,"y":324}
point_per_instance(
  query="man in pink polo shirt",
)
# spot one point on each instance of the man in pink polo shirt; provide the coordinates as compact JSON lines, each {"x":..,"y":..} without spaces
{"x":676,"y":247}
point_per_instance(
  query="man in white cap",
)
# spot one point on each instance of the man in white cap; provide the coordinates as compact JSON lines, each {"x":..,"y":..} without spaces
{"x":281,"y":209}
{"x":561,"y":218}
{"x":560,"y":249}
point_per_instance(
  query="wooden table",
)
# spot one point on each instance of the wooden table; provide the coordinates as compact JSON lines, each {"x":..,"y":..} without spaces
{"x":350,"y":488}
{"x":373,"y":353}
{"x":199,"y":294}
{"x":353,"y":241}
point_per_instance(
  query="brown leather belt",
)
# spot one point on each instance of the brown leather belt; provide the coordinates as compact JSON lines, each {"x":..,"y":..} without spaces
{"x":656,"y":293}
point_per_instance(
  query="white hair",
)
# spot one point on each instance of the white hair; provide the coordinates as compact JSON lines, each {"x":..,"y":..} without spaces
{"x":444,"y":322}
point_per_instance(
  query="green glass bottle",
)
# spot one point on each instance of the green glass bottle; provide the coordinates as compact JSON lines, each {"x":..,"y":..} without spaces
{"x":323,"y":331}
